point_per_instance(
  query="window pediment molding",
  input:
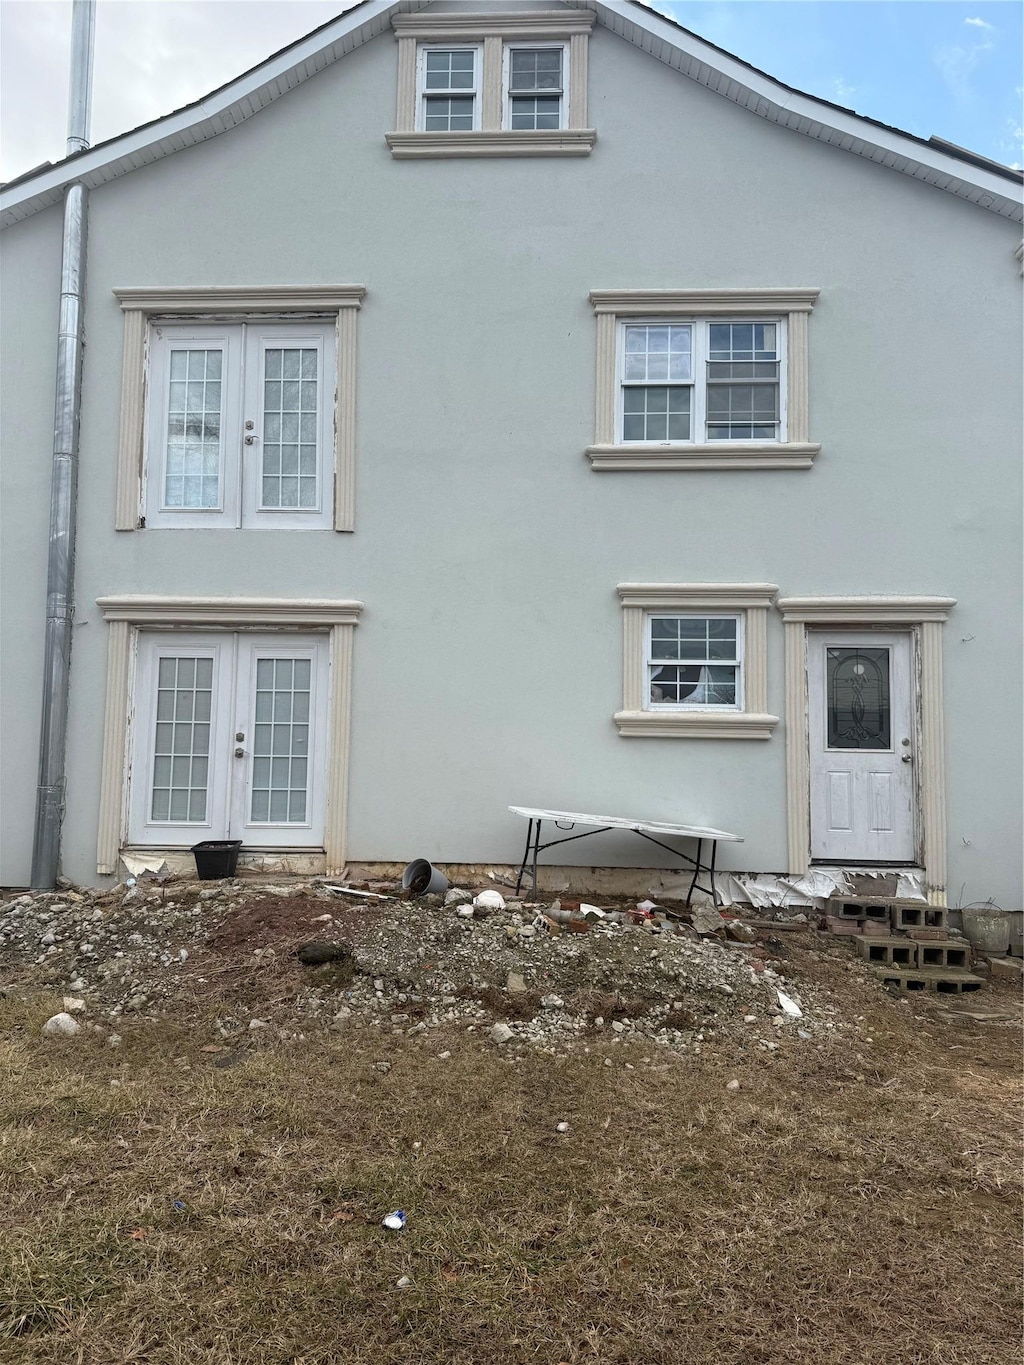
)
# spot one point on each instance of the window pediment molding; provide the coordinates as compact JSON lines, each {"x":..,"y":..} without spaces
{"x":691,"y":596}
{"x":235,"y":299}
{"x":152,"y":610}
{"x":666,"y":301}
{"x":866,"y":610}
{"x":518,"y":25}
{"x":497,"y":142}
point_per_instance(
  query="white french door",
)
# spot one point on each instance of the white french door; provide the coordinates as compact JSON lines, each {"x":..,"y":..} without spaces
{"x":229,"y":739}
{"x":861,"y":697}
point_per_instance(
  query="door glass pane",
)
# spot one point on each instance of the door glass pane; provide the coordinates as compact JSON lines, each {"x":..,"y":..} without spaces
{"x":290,"y":382}
{"x":182,"y":743}
{"x":192,"y":466}
{"x":280,"y":770}
{"x":858,"y":698}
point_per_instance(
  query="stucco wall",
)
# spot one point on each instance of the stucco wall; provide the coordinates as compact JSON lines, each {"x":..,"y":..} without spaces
{"x":488,"y":662}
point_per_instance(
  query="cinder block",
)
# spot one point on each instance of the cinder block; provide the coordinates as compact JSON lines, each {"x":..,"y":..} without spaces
{"x":892,"y":952}
{"x":876,"y":928}
{"x":920,"y":979}
{"x":835,"y":925}
{"x":1007,"y":968}
{"x":860,"y":907}
{"x":943,"y":954}
{"x":909,"y":915}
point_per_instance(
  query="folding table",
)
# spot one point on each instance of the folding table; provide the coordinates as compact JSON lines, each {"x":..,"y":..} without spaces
{"x":647,"y":829}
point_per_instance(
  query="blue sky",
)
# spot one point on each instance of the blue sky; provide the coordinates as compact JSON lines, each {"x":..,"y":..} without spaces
{"x":928,"y":66}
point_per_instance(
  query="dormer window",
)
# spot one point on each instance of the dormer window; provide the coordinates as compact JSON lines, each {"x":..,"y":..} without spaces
{"x":449,"y":84}
{"x":492,"y":84}
{"x":535,"y":85}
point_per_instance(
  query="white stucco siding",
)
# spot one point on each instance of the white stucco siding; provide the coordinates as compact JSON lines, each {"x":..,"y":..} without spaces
{"x":488,"y":659}
{"x":30,"y":265}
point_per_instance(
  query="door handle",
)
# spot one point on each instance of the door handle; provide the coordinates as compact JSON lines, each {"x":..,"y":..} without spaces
{"x":908,"y":758}
{"x":239,"y":753}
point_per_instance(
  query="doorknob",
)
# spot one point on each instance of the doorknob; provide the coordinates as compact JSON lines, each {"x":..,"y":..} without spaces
{"x":908,"y":758}
{"x":239,"y":753}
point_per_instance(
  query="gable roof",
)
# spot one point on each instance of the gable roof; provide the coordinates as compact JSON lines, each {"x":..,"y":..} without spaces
{"x":941,"y":164}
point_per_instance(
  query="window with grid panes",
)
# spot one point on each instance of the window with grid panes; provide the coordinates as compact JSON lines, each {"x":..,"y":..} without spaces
{"x":240,"y":424}
{"x":700,"y":380}
{"x":694,"y":661}
{"x":449,"y":93}
{"x":536,"y":87}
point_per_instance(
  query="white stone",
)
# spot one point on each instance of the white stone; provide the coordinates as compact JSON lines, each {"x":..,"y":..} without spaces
{"x":456,"y":896}
{"x":618,"y":1026}
{"x":501,"y":1033}
{"x":61,"y":1025}
{"x":48,"y":938}
{"x":561,"y":1127}
{"x":489,"y":900}
{"x":733,"y":1085}
{"x":73,"y":1004}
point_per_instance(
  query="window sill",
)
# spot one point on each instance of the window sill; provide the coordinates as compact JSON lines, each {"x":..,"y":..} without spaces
{"x":719,"y":455}
{"x":501,"y":142}
{"x":695,"y":724}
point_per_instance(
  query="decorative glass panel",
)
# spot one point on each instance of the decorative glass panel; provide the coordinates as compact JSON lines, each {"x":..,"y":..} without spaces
{"x":280,"y":769}
{"x":182,"y":742}
{"x":449,"y":70}
{"x":192,"y":465}
{"x":656,"y":414}
{"x":858,"y":708}
{"x":535,"y":68}
{"x":449,"y":114}
{"x":708,"y":645}
{"x":290,"y":386}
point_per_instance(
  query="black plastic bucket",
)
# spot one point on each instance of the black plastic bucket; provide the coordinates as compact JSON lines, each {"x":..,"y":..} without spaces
{"x":216,"y":858}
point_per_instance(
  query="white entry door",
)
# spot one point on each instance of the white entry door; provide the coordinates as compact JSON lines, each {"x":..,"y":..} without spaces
{"x":860,"y":695}
{"x":229,"y":739}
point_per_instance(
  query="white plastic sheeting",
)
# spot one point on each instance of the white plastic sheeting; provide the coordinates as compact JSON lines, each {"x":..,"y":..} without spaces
{"x":767,"y":891}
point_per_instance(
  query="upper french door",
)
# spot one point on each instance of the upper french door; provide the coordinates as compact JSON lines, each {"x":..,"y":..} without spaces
{"x":229,"y":739}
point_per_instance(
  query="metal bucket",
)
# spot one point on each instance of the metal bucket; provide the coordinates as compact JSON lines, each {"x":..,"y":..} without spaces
{"x":988,"y":930}
{"x":422,"y":879}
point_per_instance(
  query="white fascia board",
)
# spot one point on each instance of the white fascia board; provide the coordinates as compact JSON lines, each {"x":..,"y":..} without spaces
{"x":218,"y":112}
{"x":771,"y":100}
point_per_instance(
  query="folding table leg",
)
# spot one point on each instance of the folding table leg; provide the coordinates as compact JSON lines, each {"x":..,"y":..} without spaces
{"x":696,"y":871}
{"x":526,"y":859}
{"x":536,"y":851}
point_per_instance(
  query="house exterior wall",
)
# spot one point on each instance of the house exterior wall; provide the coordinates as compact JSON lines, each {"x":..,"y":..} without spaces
{"x":487,"y":662}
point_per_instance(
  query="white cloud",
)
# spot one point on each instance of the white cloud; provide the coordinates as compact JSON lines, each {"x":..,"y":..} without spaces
{"x":981,"y":23}
{"x":957,"y":63}
{"x":843,"y":92}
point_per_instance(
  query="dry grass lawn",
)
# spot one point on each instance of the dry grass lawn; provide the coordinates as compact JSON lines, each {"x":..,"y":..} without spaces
{"x":837,"y":1209}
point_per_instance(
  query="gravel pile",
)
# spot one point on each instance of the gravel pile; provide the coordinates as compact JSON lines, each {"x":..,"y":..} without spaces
{"x":516,"y":974}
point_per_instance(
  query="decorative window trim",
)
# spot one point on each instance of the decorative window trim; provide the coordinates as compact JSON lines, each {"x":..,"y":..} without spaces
{"x":926,"y":616}
{"x":476,"y":92}
{"x":140,"y":305}
{"x":612,"y":305}
{"x":752,"y":600}
{"x":493,"y":31}
{"x":126,"y":616}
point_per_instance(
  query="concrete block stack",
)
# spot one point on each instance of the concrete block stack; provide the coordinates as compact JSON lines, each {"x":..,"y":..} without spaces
{"x":907,"y":942}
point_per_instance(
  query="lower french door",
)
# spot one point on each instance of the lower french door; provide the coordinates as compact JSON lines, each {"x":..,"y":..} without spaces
{"x":229,"y":739}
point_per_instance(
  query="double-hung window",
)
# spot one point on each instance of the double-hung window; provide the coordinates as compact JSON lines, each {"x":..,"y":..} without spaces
{"x":449,"y":86}
{"x":240,"y":424}
{"x":535,"y":87}
{"x":694,"y":661}
{"x":701,"y":380}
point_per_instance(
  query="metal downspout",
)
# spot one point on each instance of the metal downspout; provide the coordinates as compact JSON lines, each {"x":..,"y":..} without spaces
{"x":64,"y":476}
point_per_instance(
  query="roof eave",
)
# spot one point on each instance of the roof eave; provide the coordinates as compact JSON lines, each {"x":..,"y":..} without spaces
{"x":661,"y":38}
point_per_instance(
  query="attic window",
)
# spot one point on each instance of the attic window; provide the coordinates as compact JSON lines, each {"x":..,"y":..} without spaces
{"x":492,"y":84}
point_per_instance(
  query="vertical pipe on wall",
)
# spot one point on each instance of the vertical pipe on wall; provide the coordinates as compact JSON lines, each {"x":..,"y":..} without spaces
{"x":64,"y":471}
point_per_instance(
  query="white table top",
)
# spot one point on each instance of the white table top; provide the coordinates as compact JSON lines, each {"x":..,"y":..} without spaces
{"x":623,"y":822}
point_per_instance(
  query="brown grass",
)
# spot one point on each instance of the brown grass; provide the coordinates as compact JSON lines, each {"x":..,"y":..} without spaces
{"x":851,"y":1204}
